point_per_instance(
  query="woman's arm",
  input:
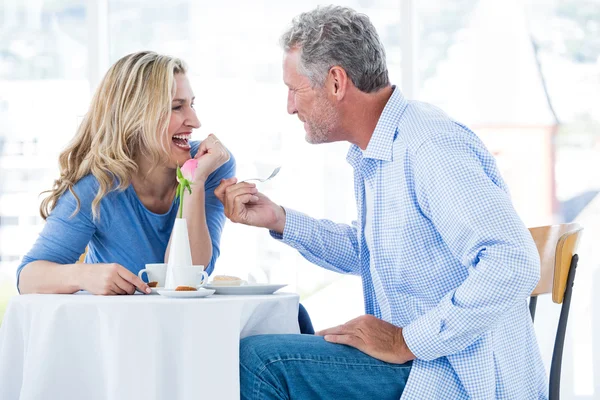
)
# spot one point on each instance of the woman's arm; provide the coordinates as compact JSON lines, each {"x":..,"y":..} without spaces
{"x":48,"y":277}
{"x":194,"y":211}
{"x":205,"y":218}
{"x":105,"y":279}
{"x":202,"y":210}
{"x":49,"y":267}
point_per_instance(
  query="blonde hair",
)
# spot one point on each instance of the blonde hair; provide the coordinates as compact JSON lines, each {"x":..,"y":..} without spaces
{"x":128,"y":117}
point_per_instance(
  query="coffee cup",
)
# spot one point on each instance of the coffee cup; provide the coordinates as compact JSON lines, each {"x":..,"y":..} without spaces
{"x":156,"y":273}
{"x":193,"y":276}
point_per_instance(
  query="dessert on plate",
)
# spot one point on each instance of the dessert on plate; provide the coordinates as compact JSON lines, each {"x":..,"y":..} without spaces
{"x":227,"y":280}
{"x":185,"y":289}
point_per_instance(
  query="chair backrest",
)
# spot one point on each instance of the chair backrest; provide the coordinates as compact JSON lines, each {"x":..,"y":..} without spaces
{"x":556,"y":245}
{"x":82,"y":257}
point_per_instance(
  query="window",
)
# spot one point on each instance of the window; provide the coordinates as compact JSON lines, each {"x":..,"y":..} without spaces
{"x":43,"y":89}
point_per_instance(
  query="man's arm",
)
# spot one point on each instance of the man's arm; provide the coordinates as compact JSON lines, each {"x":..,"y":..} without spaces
{"x":322,"y":242}
{"x":329,"y":245}
{"x":460,"y":191}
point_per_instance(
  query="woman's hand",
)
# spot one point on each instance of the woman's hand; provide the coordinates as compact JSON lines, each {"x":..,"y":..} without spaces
{"x":110,"y":279}
{"x":211,"y":155}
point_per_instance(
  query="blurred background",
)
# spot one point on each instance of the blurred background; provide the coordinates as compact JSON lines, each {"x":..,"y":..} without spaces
{"x":523,"y":74}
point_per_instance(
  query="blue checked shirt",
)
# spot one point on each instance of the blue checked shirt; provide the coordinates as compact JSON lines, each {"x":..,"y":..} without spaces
{"x":441,"y":252}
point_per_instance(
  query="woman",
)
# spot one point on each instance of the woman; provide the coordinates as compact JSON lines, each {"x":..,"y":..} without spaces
{"x":117,"y":185}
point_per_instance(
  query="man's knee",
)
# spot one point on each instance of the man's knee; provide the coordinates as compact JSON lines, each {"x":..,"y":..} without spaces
{"x":252,"y":351}
{"x":257,"y":356}
{"x":259,"y":352}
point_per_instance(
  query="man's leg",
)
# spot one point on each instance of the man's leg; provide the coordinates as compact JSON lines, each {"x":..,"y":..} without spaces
{"x":307,"y":367}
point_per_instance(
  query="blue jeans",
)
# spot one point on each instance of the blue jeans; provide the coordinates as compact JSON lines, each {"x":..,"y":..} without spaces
{"x":307,"y":367}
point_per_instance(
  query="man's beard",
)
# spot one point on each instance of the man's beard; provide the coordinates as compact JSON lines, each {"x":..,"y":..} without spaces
{"x":321,"y":122}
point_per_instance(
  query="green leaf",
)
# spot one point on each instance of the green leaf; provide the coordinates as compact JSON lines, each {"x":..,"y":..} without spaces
{"x":180,"y":196}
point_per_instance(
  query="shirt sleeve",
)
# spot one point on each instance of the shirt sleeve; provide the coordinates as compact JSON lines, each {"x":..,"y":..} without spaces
{"x":65,"y":234}
{"x":322,"y":242}
{"x":215,"y":212}
{"x":461,"y":193}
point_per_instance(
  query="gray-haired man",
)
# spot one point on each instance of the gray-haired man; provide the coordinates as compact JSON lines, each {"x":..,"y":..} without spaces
{"x":446,"y":263}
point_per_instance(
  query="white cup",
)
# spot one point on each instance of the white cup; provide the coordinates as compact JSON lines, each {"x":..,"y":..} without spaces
{"x":156,"y":273}
{"x":193,"y":276}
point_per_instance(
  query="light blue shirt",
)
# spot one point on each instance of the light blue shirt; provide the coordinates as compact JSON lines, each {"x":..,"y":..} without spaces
{"x":444,"y":256}
{"x":126,"y":233}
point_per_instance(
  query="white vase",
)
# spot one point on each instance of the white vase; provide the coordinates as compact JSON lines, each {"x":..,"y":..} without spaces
{"x":179,"y":252}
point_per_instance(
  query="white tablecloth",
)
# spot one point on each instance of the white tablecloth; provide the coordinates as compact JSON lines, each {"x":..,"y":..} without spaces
{"x":147,"y":347}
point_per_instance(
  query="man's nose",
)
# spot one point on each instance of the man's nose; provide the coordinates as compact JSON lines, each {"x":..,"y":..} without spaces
{"x":291,"y":104}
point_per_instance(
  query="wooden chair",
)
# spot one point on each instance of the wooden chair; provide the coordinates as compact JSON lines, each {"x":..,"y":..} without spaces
{"x":557,"y":245}
{"x":82,"y":257}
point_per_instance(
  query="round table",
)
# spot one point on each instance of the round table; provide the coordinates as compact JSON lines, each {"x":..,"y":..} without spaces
{"x":128,"y":347}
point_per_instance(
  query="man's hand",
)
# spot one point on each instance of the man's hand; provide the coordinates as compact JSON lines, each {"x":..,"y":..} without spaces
{"x":244,"y":204}
{"x":372,"y":336}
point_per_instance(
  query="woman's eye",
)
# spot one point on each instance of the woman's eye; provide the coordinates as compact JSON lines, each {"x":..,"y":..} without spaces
{"x":176,"y":108}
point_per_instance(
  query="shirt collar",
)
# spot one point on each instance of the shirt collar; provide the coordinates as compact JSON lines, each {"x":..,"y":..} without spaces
{"x":380,"y":145}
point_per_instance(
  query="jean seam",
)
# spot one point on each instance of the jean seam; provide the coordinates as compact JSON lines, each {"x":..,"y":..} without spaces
{"x":393,"y":366}
{"x":269,"y":363}
{"x":258,"y":382}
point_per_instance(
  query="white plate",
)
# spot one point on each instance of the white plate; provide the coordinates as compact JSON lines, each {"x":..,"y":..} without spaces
{"x":201,"y":292}
{"x":251,"y":288}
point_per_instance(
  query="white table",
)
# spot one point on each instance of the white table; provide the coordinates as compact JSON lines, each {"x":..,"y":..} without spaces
{"x":132,"y":347}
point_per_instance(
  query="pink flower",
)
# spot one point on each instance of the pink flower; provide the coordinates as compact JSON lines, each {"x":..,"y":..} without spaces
{"x":189,"y":169}
{"x":185,"y":177}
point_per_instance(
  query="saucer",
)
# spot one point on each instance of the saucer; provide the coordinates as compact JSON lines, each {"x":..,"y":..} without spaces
{"x":201,"y":292}
{"x":154,"y":290}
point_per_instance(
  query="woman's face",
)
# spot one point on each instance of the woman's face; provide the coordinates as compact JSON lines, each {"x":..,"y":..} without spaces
{"x":183,"y":120}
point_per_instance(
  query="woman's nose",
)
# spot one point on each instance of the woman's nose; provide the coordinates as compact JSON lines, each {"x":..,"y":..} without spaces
{"x":192,"y":120}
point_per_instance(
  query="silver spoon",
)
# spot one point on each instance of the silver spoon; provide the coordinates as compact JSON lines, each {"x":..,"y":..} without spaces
{"x":275,"y":172}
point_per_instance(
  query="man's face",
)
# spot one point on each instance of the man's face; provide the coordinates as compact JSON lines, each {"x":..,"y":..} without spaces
{"x":310,"y":104}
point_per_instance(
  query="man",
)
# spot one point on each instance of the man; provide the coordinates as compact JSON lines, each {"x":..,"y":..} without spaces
{"x":445,"y":261}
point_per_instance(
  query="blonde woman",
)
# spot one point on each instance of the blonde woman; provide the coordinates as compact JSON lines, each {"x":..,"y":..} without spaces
{"x":116,"y":190}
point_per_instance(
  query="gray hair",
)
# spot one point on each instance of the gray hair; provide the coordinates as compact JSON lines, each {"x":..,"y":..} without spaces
{"x":333,"y":35}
